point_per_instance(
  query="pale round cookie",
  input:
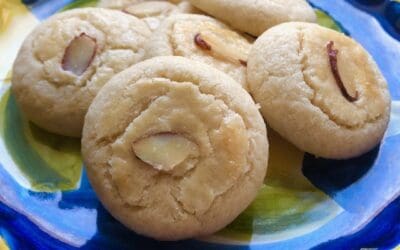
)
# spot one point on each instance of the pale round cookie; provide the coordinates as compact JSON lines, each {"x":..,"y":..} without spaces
{"x":204,"y":39}
{"x":255,"y":17}
{"x":319,"y":89}
{"x":174,"y":149}
{"x":64,"y":62}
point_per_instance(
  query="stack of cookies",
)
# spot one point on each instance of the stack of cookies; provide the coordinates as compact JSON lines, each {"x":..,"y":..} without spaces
{"x":167,"y":98}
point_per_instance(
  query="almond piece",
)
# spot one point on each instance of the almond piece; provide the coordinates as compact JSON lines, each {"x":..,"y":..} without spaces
{"x":164,"y":151}
{"x":208,"y":41}
{"x":333,"y":60}
{"x":199,"y":41}
{"x":79,"y":54}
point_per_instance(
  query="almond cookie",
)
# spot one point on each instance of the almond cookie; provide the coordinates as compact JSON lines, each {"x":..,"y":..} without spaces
{"x":174,"y":149}
{"x":255,"y":17}
{"x":66,"y":60}
{"x":202,"y":39}
{"x":319,"y":89}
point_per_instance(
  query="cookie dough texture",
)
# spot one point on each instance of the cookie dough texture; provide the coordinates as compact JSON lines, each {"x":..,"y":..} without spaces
{"x":57,"y":100}
{"x":174,"y":95}
{"x":151,"y":12}
{"x":290,"y":76}
{"x":255,"y":17}
{"x":117,"y":4}
{"x":120,"y":4}
{"x":176,"y":37}
{"x":188,"y":8}
{"x":184,"y":6}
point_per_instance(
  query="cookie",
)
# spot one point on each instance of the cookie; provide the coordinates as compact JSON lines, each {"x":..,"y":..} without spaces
{"x":64,"y":62}
{"x":319,"y":89}
{"x":202,"y":39}
{"x":255,"y":17}
{"x":174,"y":149}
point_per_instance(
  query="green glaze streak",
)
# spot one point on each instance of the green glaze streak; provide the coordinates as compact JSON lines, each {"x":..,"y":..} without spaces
{"x":276,"y":210}
{"x":325,"y":20}
{"x":50,"y":162}
{"x":3,"y":105}
{"x":80,"y":4}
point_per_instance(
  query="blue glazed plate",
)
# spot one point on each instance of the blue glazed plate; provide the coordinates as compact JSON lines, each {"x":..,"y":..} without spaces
{"x":46,"y":201}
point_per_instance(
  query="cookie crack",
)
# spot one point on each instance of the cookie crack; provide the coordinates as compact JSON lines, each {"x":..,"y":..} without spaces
{"x":307,"y":81}
{"x":111,"y":139}
{"x":116,"y":193}
{"x":182,"y":210}
{"x":171,"y":41}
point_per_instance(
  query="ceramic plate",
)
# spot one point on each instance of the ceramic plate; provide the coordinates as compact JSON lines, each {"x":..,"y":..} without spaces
{"x":46,"y":201}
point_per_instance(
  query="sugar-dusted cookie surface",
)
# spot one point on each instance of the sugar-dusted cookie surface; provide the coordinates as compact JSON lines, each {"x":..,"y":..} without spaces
{"x":319,"y":89}
{"x":174,"y":149}
{"x":66,"y":60}
{"x":202,"y":39}
{"x":255,"y":17}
